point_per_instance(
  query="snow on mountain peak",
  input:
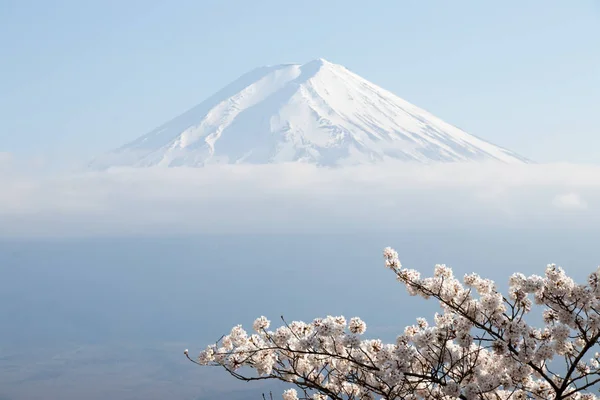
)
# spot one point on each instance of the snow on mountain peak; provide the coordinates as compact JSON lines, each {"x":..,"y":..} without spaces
{"x":318,"y":112}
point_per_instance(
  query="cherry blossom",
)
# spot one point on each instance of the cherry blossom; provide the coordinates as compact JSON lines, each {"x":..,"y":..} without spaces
{"x":479,"y":346}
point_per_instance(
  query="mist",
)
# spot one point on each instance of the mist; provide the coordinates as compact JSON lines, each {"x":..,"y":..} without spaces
{"x":120,"y":270}
{"x":293,"y":198}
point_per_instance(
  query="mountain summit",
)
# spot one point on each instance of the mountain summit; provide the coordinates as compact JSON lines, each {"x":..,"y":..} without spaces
{"x":318,"y":112}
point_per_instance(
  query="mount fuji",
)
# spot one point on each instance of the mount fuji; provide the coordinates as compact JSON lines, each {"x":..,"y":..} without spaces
{"x":318,"y":112}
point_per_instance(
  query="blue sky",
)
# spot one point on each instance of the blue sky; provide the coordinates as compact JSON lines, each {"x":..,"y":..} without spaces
{"x":78,"y":78}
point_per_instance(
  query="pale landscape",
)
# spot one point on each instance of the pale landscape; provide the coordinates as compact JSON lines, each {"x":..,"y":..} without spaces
{"x":166,"y":174}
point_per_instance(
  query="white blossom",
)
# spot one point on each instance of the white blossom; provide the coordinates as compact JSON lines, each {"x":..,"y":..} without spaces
{"x":290,"y":394}
{"x":261,"y":323}
{"x":357,"y":326}
{"x":480,"y":346}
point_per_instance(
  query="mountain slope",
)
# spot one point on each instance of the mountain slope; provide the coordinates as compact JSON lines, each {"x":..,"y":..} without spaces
{"x":318,"y":113}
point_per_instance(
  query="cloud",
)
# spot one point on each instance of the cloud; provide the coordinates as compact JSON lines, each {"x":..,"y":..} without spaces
{"x":569,"y":201}
{"x":298,"y":198}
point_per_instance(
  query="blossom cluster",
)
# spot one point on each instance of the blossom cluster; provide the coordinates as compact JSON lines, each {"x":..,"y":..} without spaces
{"x":480,"y":346}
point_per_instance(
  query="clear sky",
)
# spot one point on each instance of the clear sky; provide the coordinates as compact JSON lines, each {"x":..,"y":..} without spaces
{"x":78,"y":78}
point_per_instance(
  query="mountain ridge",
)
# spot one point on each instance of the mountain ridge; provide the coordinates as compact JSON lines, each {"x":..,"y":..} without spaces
{"x":318,"y":112}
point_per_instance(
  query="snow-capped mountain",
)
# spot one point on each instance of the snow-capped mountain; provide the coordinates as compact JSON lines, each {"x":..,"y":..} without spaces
{"x":318,"y":113}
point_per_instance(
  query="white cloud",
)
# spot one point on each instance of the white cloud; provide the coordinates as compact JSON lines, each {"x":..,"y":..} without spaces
{"x":293,"y":198}
{"x":569,"y":201}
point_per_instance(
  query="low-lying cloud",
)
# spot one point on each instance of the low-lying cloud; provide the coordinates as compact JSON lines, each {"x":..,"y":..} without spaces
{"x":570,"y":201}
{"x":298,"y":198}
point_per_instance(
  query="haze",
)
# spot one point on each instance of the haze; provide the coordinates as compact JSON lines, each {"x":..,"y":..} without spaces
{"x":107,"y":274}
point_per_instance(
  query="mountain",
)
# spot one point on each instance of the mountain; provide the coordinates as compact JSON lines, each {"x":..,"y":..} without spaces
{"x":318,"y":112}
